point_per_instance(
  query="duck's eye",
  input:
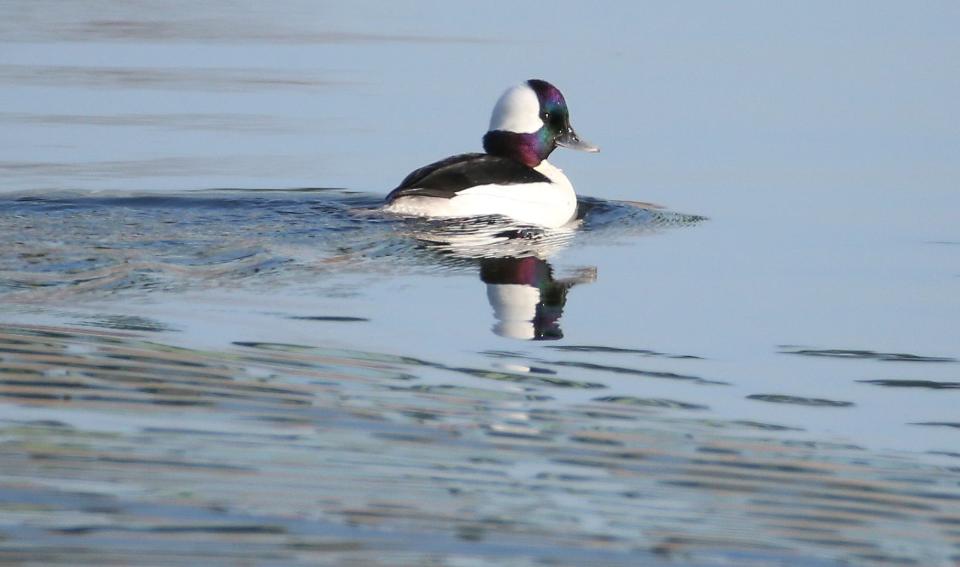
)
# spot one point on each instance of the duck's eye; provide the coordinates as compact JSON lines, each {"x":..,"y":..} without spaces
{"x":545,"y":116}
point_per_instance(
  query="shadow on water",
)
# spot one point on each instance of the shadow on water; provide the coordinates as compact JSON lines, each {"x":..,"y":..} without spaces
{"x":116,"y":448}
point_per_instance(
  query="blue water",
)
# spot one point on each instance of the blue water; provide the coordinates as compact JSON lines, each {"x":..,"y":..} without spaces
{"x":765,"y":273}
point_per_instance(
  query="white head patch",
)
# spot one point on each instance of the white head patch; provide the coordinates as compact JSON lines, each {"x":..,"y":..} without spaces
{"x":518,"y":110}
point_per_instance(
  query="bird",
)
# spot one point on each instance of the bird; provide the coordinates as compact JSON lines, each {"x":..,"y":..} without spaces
{"x":512,"y":178}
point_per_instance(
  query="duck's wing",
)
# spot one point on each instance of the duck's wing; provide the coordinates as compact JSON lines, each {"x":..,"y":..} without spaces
{"x":446,"y":178}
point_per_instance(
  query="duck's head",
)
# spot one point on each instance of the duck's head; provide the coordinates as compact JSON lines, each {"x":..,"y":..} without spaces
{"x":529,"y":121}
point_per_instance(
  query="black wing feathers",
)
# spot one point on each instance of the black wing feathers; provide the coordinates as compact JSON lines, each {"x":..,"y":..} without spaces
{"x":447,"y":177}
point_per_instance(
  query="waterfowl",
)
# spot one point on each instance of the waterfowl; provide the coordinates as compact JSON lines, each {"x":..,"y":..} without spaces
{"x":512,"y":178}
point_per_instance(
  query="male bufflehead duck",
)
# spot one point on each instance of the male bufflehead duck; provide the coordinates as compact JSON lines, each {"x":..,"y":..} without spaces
{"x":513,"y":178}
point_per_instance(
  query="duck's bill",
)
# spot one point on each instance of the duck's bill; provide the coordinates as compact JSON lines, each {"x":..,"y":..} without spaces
{"x":569,"y":139}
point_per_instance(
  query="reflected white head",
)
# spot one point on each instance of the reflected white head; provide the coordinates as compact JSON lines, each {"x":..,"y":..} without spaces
{"x":514,"y":306}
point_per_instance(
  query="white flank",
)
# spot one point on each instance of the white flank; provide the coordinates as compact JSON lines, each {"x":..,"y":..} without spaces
{"x":550,"y":205}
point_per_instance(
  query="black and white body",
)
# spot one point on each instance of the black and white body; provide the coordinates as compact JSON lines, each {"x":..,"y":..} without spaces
{"x":513,"y":178}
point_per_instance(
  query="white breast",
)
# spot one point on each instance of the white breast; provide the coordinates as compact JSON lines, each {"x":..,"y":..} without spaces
{"x":551,"y":204}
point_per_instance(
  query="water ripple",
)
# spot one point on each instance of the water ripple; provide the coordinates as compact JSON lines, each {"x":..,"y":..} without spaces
{"x":108,"y":434}
{"x":72,"y":244}
{"x":799,"y":400}
{"x":864,"y":354}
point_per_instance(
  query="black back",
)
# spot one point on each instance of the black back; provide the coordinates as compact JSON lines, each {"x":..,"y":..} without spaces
{"x":448,"y":177}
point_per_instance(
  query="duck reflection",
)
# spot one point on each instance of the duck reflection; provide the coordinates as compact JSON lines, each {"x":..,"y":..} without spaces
{"x":526,"y":298}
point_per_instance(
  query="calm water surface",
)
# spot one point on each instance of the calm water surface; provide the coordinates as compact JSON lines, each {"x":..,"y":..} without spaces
{"x":213,"y":349}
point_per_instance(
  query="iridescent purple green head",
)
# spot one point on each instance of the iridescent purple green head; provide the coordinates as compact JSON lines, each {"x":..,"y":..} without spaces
{"x":529,"y":121}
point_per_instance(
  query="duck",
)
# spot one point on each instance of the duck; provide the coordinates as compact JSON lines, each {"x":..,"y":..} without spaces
{"x":512,"y":178}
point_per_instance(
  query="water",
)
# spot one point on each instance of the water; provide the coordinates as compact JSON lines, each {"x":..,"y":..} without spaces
{"x":212,"y":348}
